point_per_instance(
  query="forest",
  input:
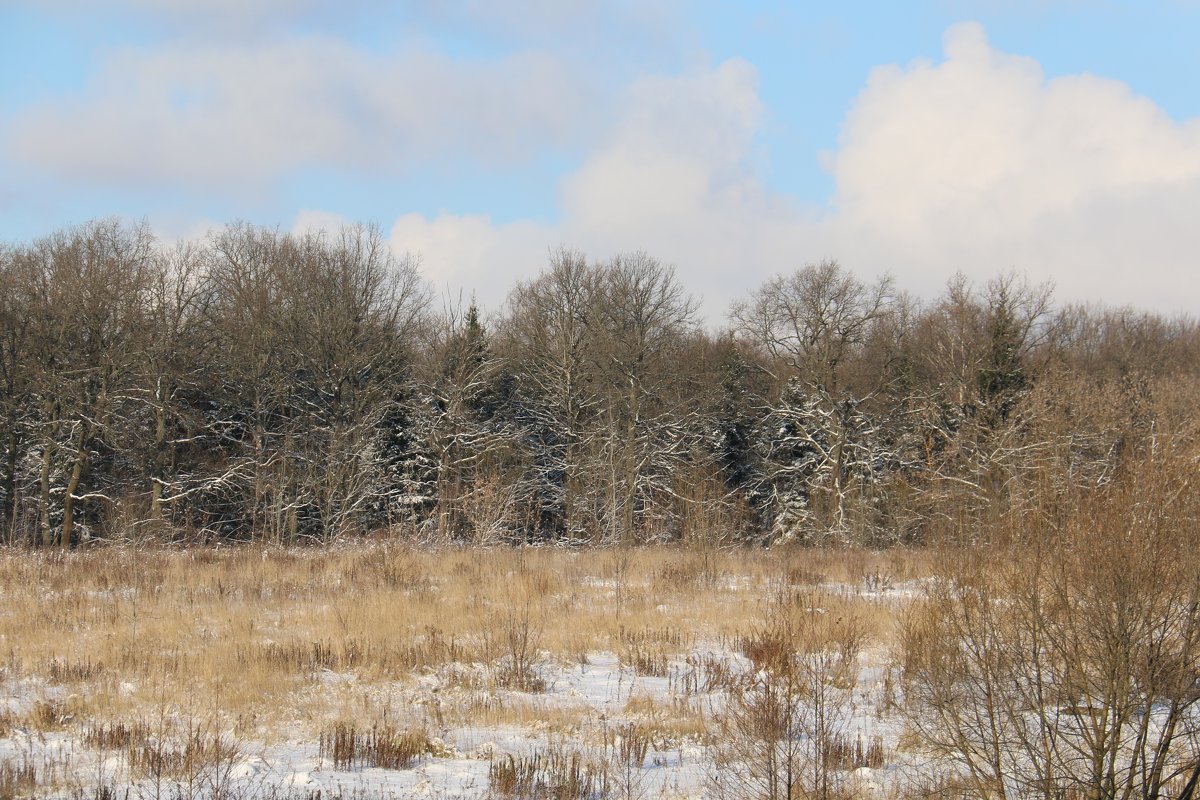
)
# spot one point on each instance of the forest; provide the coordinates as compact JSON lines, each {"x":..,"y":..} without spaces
{"x":257,"y":385}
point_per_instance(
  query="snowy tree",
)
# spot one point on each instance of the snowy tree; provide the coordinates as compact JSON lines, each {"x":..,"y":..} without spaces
{"x":17,"y":418}
{"x":978,"y":351}
{"x":644,"y":315}
{"x":86,"y":315}
{"x":821,"y":441}
{"x":550,"y":333}
{"x":469,"y":435}
{"x":314,"y":336}
{"x":737,"y":444}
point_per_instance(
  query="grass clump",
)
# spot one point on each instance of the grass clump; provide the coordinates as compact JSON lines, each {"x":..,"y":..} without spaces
{"x":551,"y":774}
{"x":382,"y":746}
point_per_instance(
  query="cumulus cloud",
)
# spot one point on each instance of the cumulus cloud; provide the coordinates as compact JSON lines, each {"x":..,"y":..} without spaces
{"x":980,"y":163}
{"x":977,"y":163}
{"x":471,"y":255}
{"x":672,"y":178}
{"x":239,"y":117}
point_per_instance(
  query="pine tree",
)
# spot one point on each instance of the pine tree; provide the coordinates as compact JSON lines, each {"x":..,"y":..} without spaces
{"x":735,"y":446}
{"x":408,"y":477}
{"x":1002,"y":379}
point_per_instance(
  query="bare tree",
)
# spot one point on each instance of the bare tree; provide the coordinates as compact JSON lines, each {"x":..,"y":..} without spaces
{"x":265,"y":384}
{"x":350,"y":335}
{"x":16,"y":378}
{"x":550,"y":332}
{"x":644,"y":316}
{"x":981,"y":354}
{"x":88,"y":311}
{"x":477,"y":484}
{"x":816,"y":321}
{"x":593,"y":346}
{"x":315,"y":332}
{"x":174,"y":360}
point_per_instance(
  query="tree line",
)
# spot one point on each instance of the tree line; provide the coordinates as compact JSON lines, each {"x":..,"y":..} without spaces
{"x":256,"y":384}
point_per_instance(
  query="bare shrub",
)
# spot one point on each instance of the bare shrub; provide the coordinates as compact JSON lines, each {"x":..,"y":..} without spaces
{"x":194,"y":759}
{"x":517,"y":636}
{"x":626,"y":748}
{"x":782,"y":725}
{"x":1068,"y":662}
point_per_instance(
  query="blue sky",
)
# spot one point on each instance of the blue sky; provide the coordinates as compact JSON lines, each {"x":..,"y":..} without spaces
{"x":1061,"y":139}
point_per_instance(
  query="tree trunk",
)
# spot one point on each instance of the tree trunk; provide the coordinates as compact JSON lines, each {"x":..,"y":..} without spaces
{"x":160,"y":440}
{"x":44,"y":498}
{"x":68,"y":526}
{"x":10,"y":476}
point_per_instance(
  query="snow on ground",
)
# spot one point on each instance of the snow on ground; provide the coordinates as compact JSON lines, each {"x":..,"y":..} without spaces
{"x":598,"y":692}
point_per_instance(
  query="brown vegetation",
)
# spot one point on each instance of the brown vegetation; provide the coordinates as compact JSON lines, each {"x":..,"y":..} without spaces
{"x":284,"y":388}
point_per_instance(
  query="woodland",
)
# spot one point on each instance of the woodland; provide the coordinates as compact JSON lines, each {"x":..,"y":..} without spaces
{"x":257,"y":385}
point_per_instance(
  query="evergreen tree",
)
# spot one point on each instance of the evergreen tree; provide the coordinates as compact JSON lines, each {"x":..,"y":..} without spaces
{"x":1002,"y":379}
{"x":736,"y":446}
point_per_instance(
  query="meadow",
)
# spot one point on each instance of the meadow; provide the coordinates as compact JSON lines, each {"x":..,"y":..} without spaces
{"x":1054,"y":655}
{"x":380,"y":669}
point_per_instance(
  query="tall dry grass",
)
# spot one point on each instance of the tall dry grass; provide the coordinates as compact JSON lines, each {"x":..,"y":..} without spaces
{"x":262,"y":637}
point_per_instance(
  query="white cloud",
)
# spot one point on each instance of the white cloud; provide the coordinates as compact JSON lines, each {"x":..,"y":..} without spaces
{"x":238,"y":117}
{"x":977,"y":163}
{"x":673,"y":179}
{"x":472,"y":255}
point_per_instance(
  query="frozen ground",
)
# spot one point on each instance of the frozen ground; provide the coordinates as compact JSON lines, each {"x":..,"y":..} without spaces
{"x":584,"y":706}
{"x":599,"y":694}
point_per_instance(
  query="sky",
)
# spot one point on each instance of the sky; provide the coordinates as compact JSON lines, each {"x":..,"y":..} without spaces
{"x":735,"y":141}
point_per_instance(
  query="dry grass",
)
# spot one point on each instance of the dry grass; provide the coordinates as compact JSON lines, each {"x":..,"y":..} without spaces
{"x":166,"y":656}
{"x":382,"y":746}
{"x":18,"y":777}
{"x":171,"y":662}
{"x":666,"y":724}
{"x":551,"y":774}
{"x":251,"y":627}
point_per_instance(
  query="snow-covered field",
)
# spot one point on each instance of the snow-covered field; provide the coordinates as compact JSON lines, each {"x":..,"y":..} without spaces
{"x":598,"y":695}
{"x":565,"y":673}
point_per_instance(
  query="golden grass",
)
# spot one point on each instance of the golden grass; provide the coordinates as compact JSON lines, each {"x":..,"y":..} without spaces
{"x":280,"y":641}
